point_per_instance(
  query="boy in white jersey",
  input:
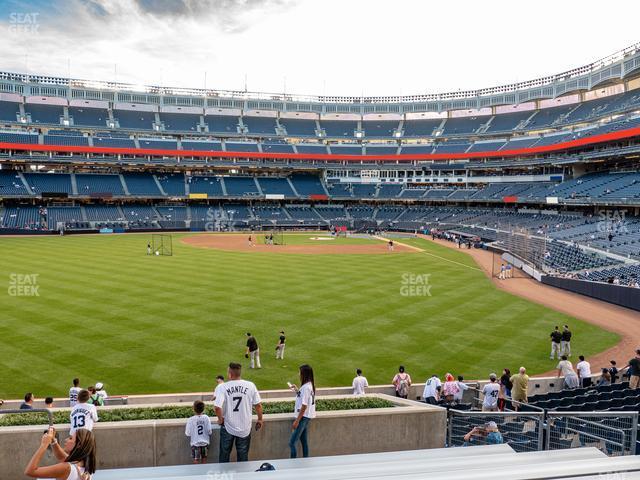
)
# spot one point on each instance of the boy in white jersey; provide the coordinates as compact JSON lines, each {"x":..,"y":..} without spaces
{"x":491,"y":391}
{"x":234,"y":402}
{"x":83,"y":415}
{"x":199,"y":430}
{"x":73,"y":392}
{"x":359,"y":383}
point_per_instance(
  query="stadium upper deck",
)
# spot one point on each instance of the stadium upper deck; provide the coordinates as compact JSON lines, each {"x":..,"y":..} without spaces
{"x":590,"y":105}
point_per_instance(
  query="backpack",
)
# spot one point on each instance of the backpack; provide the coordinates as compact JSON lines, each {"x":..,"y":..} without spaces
{"x":403,"y":386}
{"x":94,"y":400}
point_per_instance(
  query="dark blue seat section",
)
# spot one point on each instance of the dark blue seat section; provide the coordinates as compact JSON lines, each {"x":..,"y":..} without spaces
{"x":89,"y":184}
{"x":339,"y":128}
{"x":307,"y":185}
{"x":299,"y":127}
{"x":137,"y":120}
{"x":45,"y":114}
{"x":309,"y":148}
{"x":260,"y":125}
{"x":141,"y":184}
{"x":27,"y":138}
{"x":241,"y":147}
{"x":11,"y":184}
{"x":222,"y":123}
{"x":180,"y":122}
{"x":276,"y":186}
{"x":173,"y":184}
{"x":202,"y":146}
{"x":51,"y":183}
{"x":89,"y":117}
{"x":380,"y":128}
{"x":240,"y":186}
{"x":420,"y":128}
{"x":9,"y":111}
{"x":211,"y":185}
{"x":464,"y":125}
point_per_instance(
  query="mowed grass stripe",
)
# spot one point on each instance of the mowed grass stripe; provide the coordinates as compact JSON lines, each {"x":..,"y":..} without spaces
{"x":108,"y":312}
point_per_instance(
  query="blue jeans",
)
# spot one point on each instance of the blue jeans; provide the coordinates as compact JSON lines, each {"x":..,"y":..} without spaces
{"x":226,"y":445}
{"x":300,"y":433}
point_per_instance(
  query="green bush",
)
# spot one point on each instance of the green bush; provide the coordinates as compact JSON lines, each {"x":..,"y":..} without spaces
{"x":164,"y":413}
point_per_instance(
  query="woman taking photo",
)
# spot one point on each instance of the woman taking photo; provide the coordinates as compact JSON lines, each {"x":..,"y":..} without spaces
{"x":305,"y":410}
{"x":77,"y":460}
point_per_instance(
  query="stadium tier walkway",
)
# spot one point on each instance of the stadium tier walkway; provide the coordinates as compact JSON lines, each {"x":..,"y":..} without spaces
{"x":491,"y":461}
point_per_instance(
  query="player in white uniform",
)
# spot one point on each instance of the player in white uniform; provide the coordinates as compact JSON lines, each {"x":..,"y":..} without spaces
{"x":83,"y":415}
{"x":199,"y":430}
{"x":305,"y":410}
{"x":234,"y":402}
{"x":491,"y":392}
{"x":359,"y":383}
{"x":73,"y":392}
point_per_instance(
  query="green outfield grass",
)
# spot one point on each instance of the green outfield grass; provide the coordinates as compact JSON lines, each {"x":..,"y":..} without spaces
{"x":141,"y":324}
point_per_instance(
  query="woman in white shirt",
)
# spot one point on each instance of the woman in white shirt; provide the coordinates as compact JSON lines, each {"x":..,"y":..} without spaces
{"x":77,"y":460}
{"x":305,"y":410}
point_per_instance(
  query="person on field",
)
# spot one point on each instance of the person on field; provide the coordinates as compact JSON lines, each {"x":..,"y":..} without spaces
{"x":633,"y":369}
{"x":148,"y":248}
{"x":280,"y":346}
{"x":235,"y":401}
{"x":565,"y":369}
{"x":73,"y":392}
{"x":76,"y":460}
{"x":565,"y":343}
{"x":402,"y":383}
{"x":432,"y":390}
{"x":199,"y":430}
{"x":253,"y":352}
{"x":359,"y":383}
{"x":556,"y":343}
{"x":491,"y":392}
{"x":305,"y":410}
{"x":584,"y":372}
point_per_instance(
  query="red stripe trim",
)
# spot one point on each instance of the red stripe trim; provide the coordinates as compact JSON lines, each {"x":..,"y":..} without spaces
{"x":591,"y":140}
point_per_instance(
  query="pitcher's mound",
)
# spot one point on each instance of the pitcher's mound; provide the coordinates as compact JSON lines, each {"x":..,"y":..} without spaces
{"x":240,"y":243}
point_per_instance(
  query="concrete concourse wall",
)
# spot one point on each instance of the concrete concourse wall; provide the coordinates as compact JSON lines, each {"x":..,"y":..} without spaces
{"x":407,"y":426}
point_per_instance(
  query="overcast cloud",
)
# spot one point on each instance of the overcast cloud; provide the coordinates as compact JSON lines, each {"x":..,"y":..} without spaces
{"x":333,"y":47}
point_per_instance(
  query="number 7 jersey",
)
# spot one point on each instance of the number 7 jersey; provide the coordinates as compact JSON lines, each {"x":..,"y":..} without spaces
{"x":236,"y":398}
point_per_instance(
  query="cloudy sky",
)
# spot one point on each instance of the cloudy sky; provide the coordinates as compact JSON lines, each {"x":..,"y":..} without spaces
{"x":332,"y":47}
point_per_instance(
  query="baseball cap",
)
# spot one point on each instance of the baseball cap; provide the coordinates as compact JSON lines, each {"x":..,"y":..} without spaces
{"x":99,"y":385}
{"x":266,"y":467}
{"x":492,"y":376}
{"x":491,"y":425}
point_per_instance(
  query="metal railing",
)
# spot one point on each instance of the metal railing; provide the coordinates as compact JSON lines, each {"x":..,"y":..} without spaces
{"x":524,"y":432}
{"x":535,"y":429}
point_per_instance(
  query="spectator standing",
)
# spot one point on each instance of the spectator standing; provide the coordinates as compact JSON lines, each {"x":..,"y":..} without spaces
{"x":520,"y":386}
{"x":199,"y":430}
{"x":565,"y":369}
{"x":463,"y":388}
{"x":505,"y":388}
{"x":402,"y":383}
{"x":234,"y":404}
{"x":280,"y":346}
{"x":101,"y":391}
{"x":76,"y":460}
{"x":305,"y":410}
{"x":83,"y":415}
{"x":613,"y":371}
{"x":556,"y":339}
{"x":28,"y":401}
{"x":432,"y":389}
{"x":253,"y":352}
{"x":565,"y":343}
{"x":359,"y":383}
{"x":450,"y":388}
{"x":48,"y":402}
{"x":491,"y":392}
{"x":633,"y":368}
{"x":94,"y":397}
{"x":73,"y":392}
{"x":219,"y":381}
{"x":584,"y":372}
